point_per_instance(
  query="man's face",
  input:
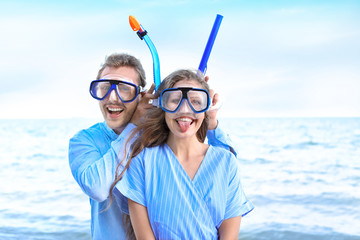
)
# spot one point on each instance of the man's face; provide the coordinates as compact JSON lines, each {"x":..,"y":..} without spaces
{"x":116,"y":113}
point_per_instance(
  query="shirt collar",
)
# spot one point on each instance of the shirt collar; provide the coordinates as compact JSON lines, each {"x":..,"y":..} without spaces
{"x":109,"y":131}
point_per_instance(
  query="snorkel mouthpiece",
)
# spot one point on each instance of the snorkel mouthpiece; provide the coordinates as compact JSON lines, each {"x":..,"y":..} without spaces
{"x":142,"y":33}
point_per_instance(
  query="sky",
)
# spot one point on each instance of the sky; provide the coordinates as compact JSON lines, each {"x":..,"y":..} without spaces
{"x":270,"y":58}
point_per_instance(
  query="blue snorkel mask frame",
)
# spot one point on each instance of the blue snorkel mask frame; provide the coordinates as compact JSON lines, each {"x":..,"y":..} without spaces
{"x":184,"y":90}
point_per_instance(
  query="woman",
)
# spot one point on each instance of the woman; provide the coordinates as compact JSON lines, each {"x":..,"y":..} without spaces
{"x":178,"y":187}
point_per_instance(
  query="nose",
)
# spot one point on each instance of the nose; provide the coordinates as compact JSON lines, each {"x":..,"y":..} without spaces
{"x":184,"y":107}
{"x":113,"y":97}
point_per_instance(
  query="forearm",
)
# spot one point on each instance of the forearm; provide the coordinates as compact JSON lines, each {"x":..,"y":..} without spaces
{"x":140,"y":221}
{"x":93,"y":163}
{"x":96,"y":176}
{"x":229,"y":229}
{"x":217,"y":137}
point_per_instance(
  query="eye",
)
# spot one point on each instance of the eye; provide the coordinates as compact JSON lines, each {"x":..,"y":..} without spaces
{"x":196,"y":102}
{"x":124,"y":88}
{"x":106,"y":88}
{"x":103,"y":87}
{"x":175,"y":100}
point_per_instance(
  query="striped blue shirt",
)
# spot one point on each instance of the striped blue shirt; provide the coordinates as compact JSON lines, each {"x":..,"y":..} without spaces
{"x":181,"y":208}
{"x":93,"y":157}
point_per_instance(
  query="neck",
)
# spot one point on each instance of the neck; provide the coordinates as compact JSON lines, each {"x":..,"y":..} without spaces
{"x":118,"y":130}
{"x":185,"y":148}
{"x":189,"y":152}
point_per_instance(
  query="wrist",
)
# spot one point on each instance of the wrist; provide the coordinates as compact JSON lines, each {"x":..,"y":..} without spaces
{"x":213,"y":124}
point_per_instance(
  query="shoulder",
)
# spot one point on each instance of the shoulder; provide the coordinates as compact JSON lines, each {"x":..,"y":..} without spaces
{"x":222,"y":156}
{"x":94,"y":130}
{"x":221,"y":152}
{"x":94,"y":136}
{"x":148,"y":157}
{"x":146,"y":162}
{"x":151,"y":152}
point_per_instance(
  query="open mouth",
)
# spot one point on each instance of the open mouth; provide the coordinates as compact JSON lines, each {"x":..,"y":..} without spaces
{"x":114,"y":111}
{"x":184,"y":123}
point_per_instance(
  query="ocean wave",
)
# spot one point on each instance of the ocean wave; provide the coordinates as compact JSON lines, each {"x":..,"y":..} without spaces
{"x":316,"y":199}
{"x":34,"y":234}
{"x":294,"y":171}
{"x":278,"y":231}
{"x":307,"y":144}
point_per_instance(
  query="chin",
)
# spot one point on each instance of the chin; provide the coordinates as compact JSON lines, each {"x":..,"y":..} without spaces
{"x":115,"y":125}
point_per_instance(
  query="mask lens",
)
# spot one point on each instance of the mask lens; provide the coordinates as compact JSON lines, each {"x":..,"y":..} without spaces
{"x":126,"y":91}
{"x":170,"y":100}
{"x":100,"y":89}
{"x":198,"y":100}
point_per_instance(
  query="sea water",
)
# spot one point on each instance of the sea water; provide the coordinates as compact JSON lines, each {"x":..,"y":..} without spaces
{"x":302,"y":175}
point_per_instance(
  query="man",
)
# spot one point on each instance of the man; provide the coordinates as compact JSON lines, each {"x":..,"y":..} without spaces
{"x":94,"y":153}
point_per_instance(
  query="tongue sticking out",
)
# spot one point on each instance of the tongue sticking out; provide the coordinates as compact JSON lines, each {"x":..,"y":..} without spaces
{"x":184,"y":125}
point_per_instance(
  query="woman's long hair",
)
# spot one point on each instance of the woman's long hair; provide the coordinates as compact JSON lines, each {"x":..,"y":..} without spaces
{"x":154,"y":131}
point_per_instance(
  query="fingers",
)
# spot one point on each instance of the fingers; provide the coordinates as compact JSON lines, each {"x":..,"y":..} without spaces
{"x":215,"y":99}
{"x":207,"y":78}
{"x":152,"y":88}
{"x":144,"y":105}
{"x":146,"y":98}
{"x":211,"y":92}
{"x":150,"y":91}
{"x":214,"y":96}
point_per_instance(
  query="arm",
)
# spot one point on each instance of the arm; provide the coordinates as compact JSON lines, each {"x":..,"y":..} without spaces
{"x":219,"y":138}
{"x":132,"y":187}
{"x":140,"y":221}
{"x":143,"y":105}
{"x":92,"y":165}
{"x":237,"y":204}
{"x":229,"y":229}
{"x":215,"y":135}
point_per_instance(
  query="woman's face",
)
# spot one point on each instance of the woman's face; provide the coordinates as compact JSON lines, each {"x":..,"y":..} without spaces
{"x":184,"y":123}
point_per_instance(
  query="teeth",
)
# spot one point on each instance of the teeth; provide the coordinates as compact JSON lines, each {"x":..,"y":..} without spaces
{"x":115,"y":109}
{"x":184,"y":119}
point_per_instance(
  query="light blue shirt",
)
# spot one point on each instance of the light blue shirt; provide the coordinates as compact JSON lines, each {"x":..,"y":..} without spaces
{"x":93,"y":155}
{"x":181,"y":208}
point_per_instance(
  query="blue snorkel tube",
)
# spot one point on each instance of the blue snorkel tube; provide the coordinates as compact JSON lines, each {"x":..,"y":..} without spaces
{"x":142,"y":33}
{"x":210,"y":43}
{"x":207,"y":51}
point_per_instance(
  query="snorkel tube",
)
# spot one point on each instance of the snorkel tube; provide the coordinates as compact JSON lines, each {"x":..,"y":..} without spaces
{"x":210,"y":43}
{"x":142,"y":33}
{"x":206,"y":55}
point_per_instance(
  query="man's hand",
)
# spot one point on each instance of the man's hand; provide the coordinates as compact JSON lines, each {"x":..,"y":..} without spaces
{"x":212,"y":113}
{"x":143,"y":105}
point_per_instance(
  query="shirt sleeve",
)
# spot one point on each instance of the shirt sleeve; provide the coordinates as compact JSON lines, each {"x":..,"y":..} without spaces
{"x":93,"y":171}
{"x":237,"y":203}
{"x":132,"y":184}
{"x":219,"y":138}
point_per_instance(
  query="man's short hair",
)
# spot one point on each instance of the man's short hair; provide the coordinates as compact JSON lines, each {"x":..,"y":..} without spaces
{"x":117,"y":60}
